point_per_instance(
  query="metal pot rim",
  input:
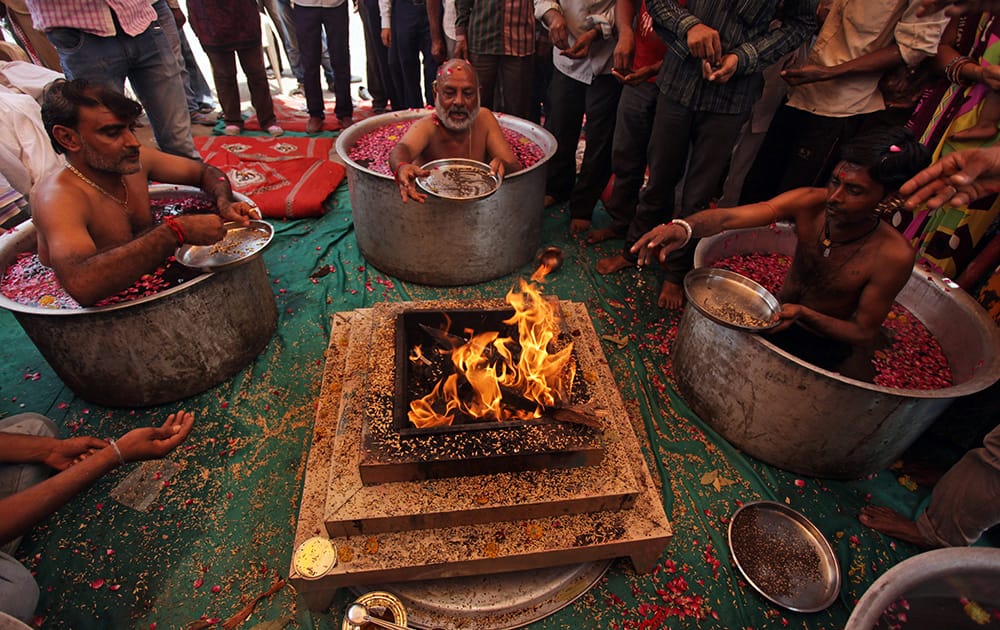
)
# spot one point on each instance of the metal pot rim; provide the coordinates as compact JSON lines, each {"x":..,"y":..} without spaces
{"x":350,"y":136}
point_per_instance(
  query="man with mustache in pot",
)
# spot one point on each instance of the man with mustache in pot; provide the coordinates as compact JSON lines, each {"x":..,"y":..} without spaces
{"x":95,"y":228}
{"x":458,"y":128}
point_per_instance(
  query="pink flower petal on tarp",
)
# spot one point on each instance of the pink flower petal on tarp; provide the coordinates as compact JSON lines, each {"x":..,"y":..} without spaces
{"x":96,"y":584}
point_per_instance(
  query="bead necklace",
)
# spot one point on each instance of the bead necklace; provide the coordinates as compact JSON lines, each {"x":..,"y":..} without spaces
{"x":100,"y":189}
{"x":829,"y":243}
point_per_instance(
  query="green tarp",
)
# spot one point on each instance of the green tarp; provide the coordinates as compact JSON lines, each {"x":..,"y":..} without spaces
{"x":219,"y":532}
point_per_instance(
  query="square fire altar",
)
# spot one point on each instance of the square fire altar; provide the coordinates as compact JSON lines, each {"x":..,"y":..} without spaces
{"x":508,"y":481}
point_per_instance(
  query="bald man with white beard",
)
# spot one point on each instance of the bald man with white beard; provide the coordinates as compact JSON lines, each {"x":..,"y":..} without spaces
{"x":458,"y":128}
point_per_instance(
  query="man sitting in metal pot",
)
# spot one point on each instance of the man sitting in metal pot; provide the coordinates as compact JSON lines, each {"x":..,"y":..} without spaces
{"x":848,"y":265}
{"x":458,"y":128}
{"x":95,"y":228}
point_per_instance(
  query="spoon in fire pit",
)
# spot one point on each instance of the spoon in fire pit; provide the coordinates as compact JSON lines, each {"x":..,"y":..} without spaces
{"x":549,"y":259}
{"x":358,"y":614}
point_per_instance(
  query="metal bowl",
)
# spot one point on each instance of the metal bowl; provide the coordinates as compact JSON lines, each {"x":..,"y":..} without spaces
{"x":731,"y":299}
{"x":459,"y":179}
{"x":240,"y":245}
{"x":784,"y":556}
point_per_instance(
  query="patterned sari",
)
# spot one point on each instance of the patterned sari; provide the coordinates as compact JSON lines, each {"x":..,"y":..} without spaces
{"x":947,"y":239}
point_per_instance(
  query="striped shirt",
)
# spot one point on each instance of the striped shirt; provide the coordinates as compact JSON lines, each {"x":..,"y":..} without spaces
{"x":93,"y":16}
{"x":744,"y":28}
{"x":513,"y":34}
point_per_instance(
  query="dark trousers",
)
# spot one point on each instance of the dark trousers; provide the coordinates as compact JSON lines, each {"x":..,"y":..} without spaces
{"x":633,"y":129}
{"x":800,"y":149}
{"x":411,"y":40}
{"x":514,"y":76}
{"x":570,"y":100}
{"x":226,"y":86}
{"x":380,"y":83}
{"x":682,"y":139}
{"x":310,"y":22}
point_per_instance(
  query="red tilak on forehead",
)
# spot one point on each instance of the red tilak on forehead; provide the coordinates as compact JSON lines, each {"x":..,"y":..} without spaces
{"x":842,"y":174}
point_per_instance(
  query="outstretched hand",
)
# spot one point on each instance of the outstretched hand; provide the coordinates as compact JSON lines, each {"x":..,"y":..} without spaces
{"x":956,"y":179}
{"x":156,"y":442}
{"x":581,"y":47}
{"x":406,"y":179}
{"x":67,"y":452}
{"x":657,"y":243}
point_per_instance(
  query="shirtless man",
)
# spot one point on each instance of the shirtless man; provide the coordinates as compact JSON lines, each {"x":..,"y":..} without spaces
{"x":95,"y":228}
{"x":848,"y":266}
{"x":459,"y":128}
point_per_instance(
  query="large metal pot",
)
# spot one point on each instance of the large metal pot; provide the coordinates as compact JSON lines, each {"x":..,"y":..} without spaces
{"x":156,"y":349}
{"x":796,"y":416}
{"x":943,"y":578}
{"x":444,"y":242}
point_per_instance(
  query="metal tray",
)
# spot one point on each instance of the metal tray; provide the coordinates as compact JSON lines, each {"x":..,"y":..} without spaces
{"x":493,"y":602}
{"x":731,"y":299}
{"x":239,"y":245}
{"x":459,"y":179}
{"x":784,"y":556}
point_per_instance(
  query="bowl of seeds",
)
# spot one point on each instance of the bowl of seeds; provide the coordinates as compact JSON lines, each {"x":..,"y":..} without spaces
{"x":783,"y":555}
{"x":459,"y":179}
{"x":241,"y":244}
{"x":731,"y":299}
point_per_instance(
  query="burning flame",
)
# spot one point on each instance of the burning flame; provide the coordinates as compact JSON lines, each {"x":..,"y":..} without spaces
{"x":492,"y":365}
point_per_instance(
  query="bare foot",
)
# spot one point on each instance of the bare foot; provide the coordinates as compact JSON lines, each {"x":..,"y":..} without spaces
{"x":671,"y":296}
{"x":578,"y":226}
{"x":601,"y":235}
{"x":612,"y":264}
{"x":974,"y":133}
{"x":892,"y":523}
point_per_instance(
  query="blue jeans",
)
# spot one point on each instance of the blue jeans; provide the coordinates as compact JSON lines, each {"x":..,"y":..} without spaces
{"x":150,"y":66}
{"x":195,"y":87}
{"x":286,"y":24}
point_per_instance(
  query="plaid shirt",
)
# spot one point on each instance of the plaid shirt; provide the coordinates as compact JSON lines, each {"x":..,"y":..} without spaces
{"x":93,"y":16}
{"x":497,"y":27}
{"x":744,"y":28}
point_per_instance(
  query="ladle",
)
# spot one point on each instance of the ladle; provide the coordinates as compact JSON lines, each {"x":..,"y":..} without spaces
{"x":358,"y":614}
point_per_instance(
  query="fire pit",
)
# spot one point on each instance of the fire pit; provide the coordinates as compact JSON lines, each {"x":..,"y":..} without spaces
{"x":477,"y":497}
{"x":497,"y":401}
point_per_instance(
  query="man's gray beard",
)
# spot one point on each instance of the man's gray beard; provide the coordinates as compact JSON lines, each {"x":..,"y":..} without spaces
{"x":442,"y":115}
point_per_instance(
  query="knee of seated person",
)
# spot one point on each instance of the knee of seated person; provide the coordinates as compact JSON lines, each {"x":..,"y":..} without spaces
{"x":29,"y":424}
{"x":18,"y":589}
